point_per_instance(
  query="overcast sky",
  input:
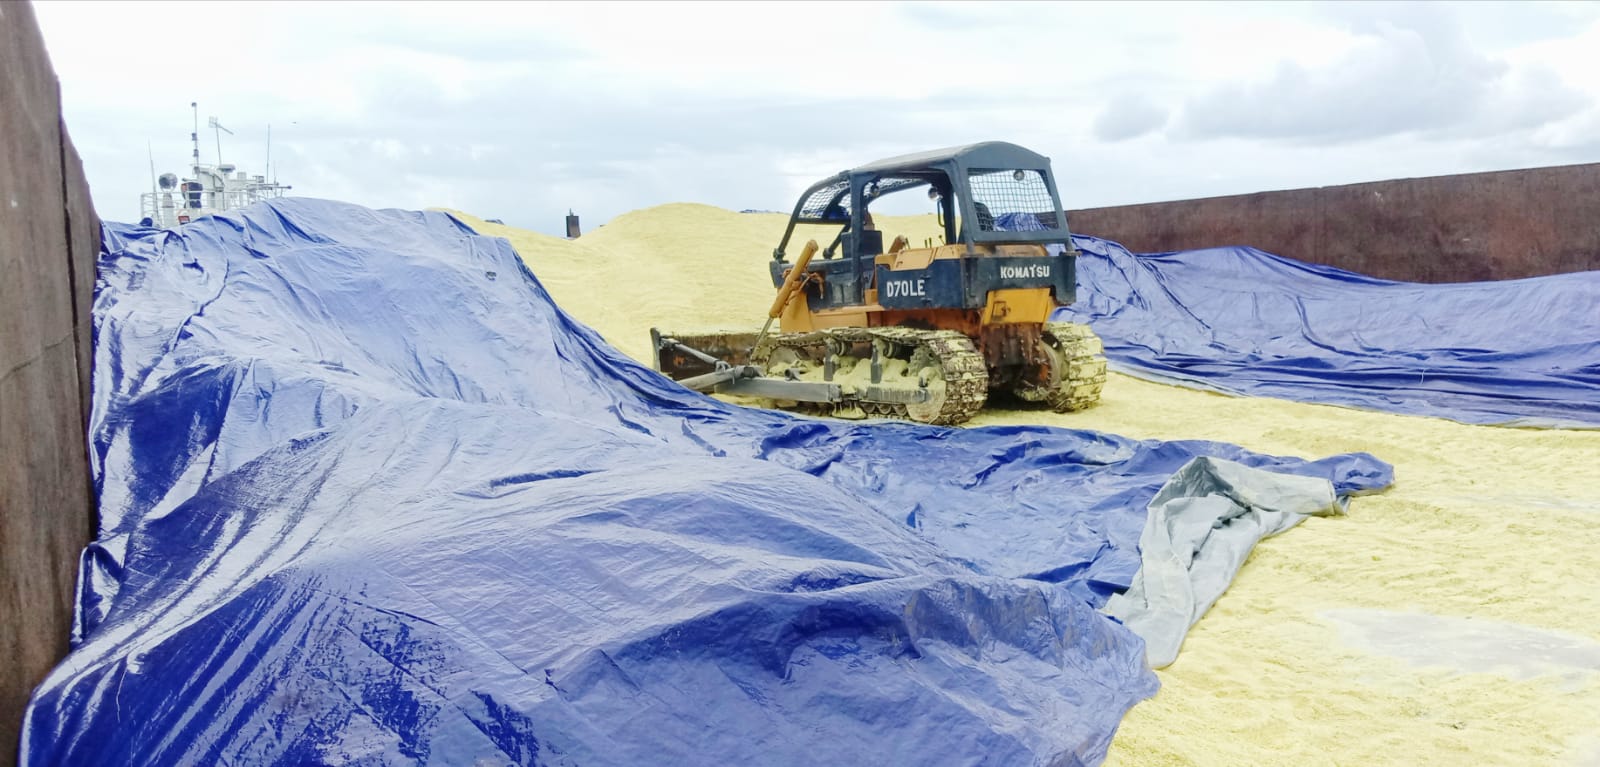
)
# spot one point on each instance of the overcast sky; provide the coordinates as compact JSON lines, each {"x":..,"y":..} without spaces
{"x":520,"y":112}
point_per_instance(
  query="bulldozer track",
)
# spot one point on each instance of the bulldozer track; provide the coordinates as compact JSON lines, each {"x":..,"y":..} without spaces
{"x":1084,"y":373}
{"x":958,"y":378}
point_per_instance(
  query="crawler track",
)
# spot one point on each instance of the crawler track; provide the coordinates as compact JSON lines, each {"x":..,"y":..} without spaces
{"x":1077,"y":368}
{"x":943,"y":362}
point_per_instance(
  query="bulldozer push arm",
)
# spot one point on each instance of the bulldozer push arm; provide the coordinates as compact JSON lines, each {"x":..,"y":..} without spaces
{"x":748,"y":381}
{"x":706,"y":354}
{"x":791,"y":284}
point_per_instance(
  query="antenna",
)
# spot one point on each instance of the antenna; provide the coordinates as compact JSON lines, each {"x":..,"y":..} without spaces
{"x":266,"y":170}
{"x":219,"y":130}
{"x":155,"y":207}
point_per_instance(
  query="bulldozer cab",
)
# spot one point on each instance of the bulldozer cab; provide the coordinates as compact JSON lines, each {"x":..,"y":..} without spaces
{"x":987,"y":194}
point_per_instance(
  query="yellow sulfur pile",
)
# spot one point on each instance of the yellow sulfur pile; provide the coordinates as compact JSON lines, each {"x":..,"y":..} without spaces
{"x":1452,"y":619}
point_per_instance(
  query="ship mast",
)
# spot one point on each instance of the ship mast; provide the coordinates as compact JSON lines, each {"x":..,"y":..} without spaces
{"x":195,"y":136}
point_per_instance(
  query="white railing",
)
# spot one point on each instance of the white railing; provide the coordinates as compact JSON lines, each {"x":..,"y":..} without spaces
{"x":166,"y":208}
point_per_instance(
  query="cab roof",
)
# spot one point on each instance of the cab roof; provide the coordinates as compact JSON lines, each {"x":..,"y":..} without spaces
{"x":996,"y":155}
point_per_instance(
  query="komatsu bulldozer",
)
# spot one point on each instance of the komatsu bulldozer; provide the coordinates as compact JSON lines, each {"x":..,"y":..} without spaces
{"x":921,"y":332}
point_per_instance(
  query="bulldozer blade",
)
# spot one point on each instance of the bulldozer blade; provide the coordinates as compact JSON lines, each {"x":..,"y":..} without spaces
{"x":732,"y":348}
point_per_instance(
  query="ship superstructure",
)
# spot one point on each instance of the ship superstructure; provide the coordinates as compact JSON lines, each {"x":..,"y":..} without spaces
{"x":208,"y":188}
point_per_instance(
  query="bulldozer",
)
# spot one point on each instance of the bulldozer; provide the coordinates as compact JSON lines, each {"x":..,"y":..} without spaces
{"x":924,"y":332}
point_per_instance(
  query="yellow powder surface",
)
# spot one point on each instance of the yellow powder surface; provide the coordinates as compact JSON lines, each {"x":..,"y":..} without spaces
{"x":1452,"y":619}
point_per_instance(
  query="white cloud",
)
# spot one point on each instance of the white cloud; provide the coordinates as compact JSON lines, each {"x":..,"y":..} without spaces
{"x":1128,"y":116}
{"x":1410,"y":69}
{"x":521,"y":110}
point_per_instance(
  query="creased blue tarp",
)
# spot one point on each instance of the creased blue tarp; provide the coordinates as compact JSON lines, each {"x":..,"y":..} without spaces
{"x":1518,"y":352}
{"x":368,"y":496}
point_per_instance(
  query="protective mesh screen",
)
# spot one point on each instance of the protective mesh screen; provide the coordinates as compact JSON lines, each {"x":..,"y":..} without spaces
{"x":821,"y":205}
{"x":819,"y":201}
{"x":996,"y":193}
{"x":889,"y":184}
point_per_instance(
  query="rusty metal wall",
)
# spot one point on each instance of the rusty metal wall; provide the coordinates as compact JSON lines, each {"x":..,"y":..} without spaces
{"x":49,"y":241}
{"x":1477,"y":226}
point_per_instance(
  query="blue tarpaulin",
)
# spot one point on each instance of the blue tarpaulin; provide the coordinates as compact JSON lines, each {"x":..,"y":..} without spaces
{"x":1516,"y":352}
{"x":368,"y":496}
